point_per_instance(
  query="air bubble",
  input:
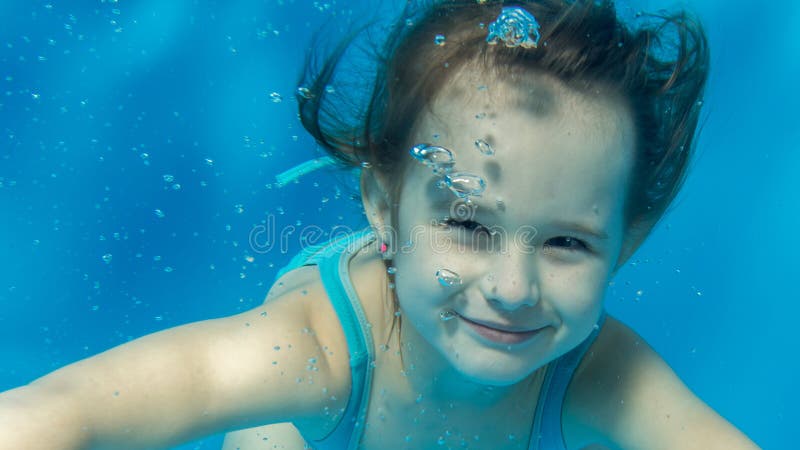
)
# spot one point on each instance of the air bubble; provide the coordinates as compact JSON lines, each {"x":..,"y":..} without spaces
{"x":440,"y":40}
{"x":516,"y":27}
{"x":484,"y":147}
{"x":448,"y":278}
{"x":465,"y":184}
{"x":305,"y":93}
{"x":440,"y":159}
{"x":446,"y":315}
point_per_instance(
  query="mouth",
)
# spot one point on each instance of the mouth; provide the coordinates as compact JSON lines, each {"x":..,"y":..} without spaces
{"x":501,"y":336}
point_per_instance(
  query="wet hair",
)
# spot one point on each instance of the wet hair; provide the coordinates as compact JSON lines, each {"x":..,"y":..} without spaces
{"x":659,"y":68}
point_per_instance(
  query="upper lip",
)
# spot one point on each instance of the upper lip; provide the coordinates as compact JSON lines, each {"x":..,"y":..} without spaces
{"x":500,"y":327}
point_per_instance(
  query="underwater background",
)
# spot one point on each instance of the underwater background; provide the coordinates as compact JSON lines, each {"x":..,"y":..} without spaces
{"x":139,"y":143}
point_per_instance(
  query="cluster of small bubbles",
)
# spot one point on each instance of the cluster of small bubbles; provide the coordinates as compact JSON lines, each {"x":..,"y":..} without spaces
{"x":275,"y":97}
{"x":447,"y":315}
{"x":366,"y":164}
{"x":330,"y":89}
{"x":168,"y":178}
{"x":501,"y":204}
{"x":160,"y":214}
{"x":480,"y":115}
{"x":439,"y":40}
{"x":465,"y":184}
{"x":145,"y":158}
{"x":484,"y":147}
{"x":440,"y":159}
{"x":448,"y":278}
{"x":168,"y":269}
{"x":107,"y":258}
{"x":209,"y":161}
{"x":418,"y":400}
{"x":239,"y":208}
{"x":391,"y":270}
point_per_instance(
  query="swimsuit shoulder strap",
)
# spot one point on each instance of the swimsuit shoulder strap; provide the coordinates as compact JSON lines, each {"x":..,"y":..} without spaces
{"x":547,"y":434}
{"x":333,"y":259}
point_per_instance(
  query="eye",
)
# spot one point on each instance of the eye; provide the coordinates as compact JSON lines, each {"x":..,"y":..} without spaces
{"x":567,"y":243}
{"x":469,"y":225}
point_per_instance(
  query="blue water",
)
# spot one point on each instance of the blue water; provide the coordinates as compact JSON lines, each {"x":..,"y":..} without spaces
{"x":139,"y":143}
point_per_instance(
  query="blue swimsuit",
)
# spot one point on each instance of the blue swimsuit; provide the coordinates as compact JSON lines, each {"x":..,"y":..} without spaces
{"x":333,"y":259}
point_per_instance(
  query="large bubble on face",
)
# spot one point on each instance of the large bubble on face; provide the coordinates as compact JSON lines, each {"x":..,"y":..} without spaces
{"x":448,"y":278}
{"x":465,"y":185}
{"x":440,"y":159}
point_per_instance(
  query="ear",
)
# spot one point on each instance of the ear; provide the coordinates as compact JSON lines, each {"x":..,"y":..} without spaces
{"x":377,"y":200}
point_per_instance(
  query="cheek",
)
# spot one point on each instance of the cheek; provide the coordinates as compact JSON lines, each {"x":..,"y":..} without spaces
{"x":576,"y":291}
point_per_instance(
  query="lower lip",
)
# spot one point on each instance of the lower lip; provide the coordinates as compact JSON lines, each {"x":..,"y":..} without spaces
{"x":501,"y":337}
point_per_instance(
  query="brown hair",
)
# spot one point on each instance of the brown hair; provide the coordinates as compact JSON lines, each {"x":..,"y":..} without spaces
{"x":659,"y":68}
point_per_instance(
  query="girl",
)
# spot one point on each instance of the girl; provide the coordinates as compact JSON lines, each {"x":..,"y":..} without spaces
{"x":513,"y":158}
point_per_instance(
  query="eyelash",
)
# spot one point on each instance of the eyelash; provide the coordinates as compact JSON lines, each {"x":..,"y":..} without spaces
{"x":463,"y":224}
{"x":582,"y":245}
{"x":475,"y":225}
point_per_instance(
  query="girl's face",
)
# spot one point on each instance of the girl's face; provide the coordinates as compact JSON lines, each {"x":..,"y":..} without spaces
{"x":534,"y":252}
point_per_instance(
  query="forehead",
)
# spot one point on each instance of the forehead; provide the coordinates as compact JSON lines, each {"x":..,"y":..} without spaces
{"x":561,"y":148}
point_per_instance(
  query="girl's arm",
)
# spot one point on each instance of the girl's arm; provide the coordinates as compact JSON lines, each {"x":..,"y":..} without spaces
{"x":178,"y":384}
{"x":625,"y":396}
{"x":278,"y":435}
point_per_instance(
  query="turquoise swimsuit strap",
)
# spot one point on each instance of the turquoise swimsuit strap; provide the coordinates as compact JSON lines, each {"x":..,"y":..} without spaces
{"x":547,"y":434}
{"x":333,"y":261}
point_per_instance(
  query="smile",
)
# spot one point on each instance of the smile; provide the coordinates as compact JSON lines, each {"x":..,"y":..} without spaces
{"x":499,"y":336}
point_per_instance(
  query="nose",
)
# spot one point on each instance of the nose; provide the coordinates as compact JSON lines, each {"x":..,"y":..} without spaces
{"x":512,"y":283}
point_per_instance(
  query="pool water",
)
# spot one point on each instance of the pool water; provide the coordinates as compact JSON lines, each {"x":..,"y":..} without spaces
{"x":139,"y":144}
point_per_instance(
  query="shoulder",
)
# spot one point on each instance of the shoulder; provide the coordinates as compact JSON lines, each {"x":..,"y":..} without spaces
{"x":624,"y":395}
{"x":323,"y":352}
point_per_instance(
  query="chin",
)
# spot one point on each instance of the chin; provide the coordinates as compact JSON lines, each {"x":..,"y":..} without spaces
{"x":490,"y":371}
